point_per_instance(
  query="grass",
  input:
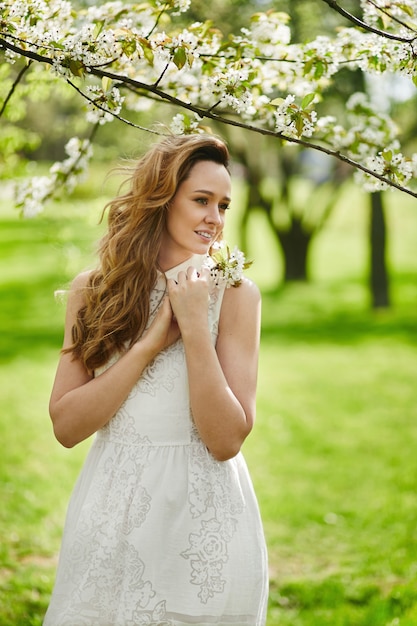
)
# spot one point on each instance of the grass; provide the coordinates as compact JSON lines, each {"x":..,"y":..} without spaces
{"x":336,"y":478}
{"x":332,"y":454}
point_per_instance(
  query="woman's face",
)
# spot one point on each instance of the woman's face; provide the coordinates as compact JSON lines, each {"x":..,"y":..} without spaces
{"x":196,"y":214}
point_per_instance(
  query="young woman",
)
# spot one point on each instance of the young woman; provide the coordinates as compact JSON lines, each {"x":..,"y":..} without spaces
{"x":160,"y":361}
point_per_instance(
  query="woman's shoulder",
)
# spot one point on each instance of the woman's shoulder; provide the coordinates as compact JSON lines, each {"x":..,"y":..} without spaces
{"x":240,"y":303}
{"x":76,"y":293}
{"x":246,"y":292}
{"x":81,"y":280}
{"x":240,"y":314}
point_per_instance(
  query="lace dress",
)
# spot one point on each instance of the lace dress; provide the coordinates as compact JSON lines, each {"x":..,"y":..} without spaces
{"x":158,"y":532}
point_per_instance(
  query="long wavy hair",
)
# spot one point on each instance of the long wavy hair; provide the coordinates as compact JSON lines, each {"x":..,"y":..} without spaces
{"x":117,"y":295}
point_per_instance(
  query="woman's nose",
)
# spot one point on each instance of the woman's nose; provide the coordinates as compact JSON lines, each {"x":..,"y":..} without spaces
{"x":213,"y":215}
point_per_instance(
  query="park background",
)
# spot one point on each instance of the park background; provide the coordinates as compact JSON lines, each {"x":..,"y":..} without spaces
{"x":332,"y":454}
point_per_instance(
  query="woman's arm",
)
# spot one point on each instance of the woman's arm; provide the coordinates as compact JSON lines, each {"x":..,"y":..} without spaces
{"x":222,"y":379}
{"x":81,"y":404}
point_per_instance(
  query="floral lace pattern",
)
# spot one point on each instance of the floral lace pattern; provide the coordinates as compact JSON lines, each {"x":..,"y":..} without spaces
{"x":102,"y":552}
{"x":212,"y":495}
{"x":162,"y":373}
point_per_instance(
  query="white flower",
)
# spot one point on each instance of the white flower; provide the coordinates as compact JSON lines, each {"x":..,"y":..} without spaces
{"x":32,"y":194}
{"x":180,"y":5}
{"x":177,"y":124}
{"x":226,"y":268}
{"x":182,"y":124}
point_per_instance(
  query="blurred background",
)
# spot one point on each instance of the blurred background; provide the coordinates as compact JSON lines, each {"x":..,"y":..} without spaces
{"x":332,"y":454}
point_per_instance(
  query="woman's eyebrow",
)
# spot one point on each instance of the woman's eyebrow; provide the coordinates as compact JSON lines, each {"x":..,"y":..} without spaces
{"x":210,"y":193}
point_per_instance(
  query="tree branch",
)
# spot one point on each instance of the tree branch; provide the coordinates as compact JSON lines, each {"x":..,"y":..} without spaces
{"x":164,"y":8}
{"x":29,"y":54}
{"x":15,"y":84}
{"x":208,"y":113}
{"x":160,"y":77}
{"x":392,"y":17}
{"x":355,"y":20}
{"x":102,"y":108}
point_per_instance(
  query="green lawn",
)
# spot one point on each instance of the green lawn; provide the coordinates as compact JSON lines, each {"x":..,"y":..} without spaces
{"x":332,"y":454}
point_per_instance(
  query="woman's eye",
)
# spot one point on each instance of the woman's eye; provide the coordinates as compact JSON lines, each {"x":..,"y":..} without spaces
{"x":205,"y":201}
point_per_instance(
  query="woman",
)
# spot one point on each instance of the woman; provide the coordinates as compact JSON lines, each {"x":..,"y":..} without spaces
{"x":160,"y":361}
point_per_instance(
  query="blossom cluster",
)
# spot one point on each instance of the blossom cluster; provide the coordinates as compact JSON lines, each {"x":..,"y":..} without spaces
{"x":391,"y":166}
{"x":226,"y":267}
{"x":183,"y":124}
{"x":103,"y":106}
{"x":32,"y":194}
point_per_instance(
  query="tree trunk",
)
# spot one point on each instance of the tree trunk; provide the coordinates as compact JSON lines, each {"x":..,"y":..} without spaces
{"x":378,"y":267}
{"x":295,"y":244}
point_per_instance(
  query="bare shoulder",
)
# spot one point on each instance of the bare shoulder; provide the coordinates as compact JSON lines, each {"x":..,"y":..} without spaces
{"x":80,"y":281}
{"x":246,"y":294}
{"x":241,"y":304}
{"x":76,"y":292}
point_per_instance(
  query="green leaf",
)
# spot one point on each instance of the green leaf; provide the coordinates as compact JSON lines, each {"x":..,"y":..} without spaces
{"x":319,"y":69}
{"x":308,"y":66}
{"x":180,"y":57}
{"x":308,"y":99}
{"x":76,"y":67}
{"x":147,"y":50}
{"x":256,"y":17}
{"x":128,"y":47}
{"x":106,"y":83}
{"x":299,"y":124}
{"x":190,"y":58}
{"x":405,"y":8}
{"x":98,"y":28}
{"x":277,"y":101}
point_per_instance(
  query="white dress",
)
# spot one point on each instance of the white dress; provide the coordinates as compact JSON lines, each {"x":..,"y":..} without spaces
{"x":158,"y":532}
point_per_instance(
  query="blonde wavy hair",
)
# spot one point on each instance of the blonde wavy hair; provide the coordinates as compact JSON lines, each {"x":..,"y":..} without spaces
{"x":117,"y":295}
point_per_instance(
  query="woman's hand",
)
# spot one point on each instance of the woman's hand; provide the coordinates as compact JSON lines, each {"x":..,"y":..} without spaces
{"x":163,"y":330}
{"x":189,"y":297}
{"x":81,"y":403}
{"x":221,"y":376}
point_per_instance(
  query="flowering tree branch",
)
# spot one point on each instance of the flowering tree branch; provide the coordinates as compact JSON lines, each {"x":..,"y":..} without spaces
{"x":232,"y":121}
{"x":390,"y":15}
{"x":210,"y":114}
{"x":118,"y":55}
{"x":102,"y":108}
{"x":32,"y":195}
{"x":355,"y":20}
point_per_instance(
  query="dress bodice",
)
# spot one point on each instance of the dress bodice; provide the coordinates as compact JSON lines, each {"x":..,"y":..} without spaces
{"x":162,"y":388}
